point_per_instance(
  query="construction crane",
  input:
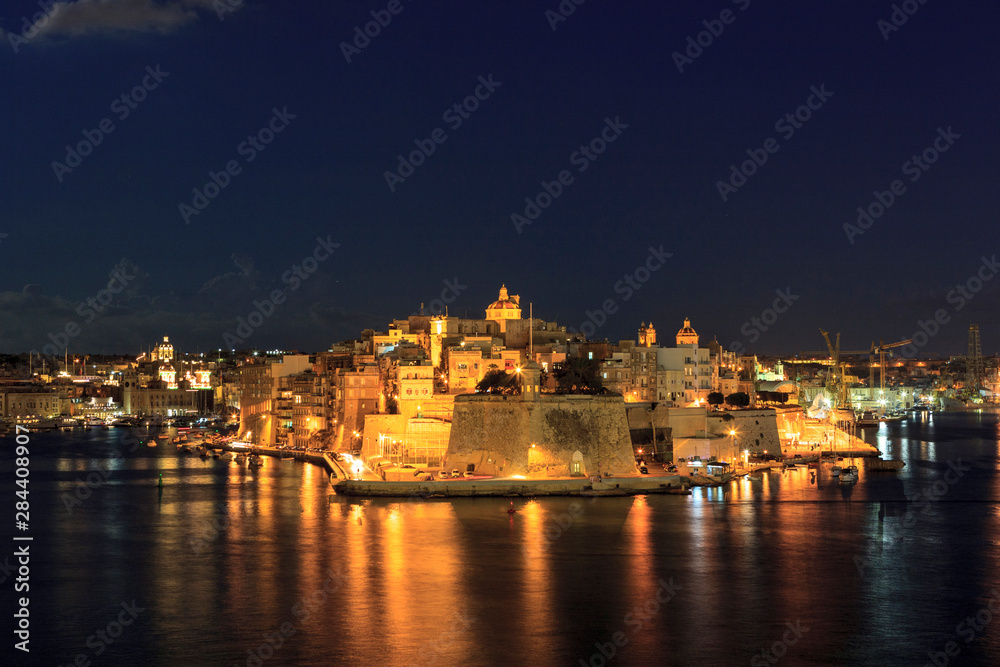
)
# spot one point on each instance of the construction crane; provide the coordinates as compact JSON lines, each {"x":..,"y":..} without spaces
{"x":880,"y":350}
{"x":835,"y":378}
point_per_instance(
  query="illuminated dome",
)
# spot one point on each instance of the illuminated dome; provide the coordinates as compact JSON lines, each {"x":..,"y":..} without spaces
{"x":687,"y":335}
{"x":504,"y":308}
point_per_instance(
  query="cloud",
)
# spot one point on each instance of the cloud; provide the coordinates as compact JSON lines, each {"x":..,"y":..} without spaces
{"x":130,"y":313}
{"x":73,"y":19}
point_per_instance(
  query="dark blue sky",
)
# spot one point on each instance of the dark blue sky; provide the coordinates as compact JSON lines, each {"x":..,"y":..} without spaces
{"x":323,"y":174}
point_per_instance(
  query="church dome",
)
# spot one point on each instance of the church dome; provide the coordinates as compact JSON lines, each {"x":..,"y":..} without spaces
{"x":687,"y":335}
{"x":505,"y":308}
{"x":505,"y":302}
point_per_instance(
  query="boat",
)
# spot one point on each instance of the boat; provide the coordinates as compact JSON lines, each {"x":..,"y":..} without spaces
{"x":255,"y":461}
{"x":868,"y":418}
{"x":240,"y":458}
{"x":151,"y":443}
{"x":204,"y":454}
{"x":848,"y":477}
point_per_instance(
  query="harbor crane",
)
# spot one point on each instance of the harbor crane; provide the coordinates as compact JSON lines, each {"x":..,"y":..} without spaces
{"x":880,"y":350}
{"x":835,"y":383}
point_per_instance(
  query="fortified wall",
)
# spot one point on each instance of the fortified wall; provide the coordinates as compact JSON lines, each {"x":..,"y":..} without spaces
{"x":539,"y":434}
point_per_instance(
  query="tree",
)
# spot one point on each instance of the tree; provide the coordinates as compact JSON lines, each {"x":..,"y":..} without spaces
{"x":577,"y":375}
{"x":715,"y":399}
{"x":738,"y":399}
{"x":499,"y":382}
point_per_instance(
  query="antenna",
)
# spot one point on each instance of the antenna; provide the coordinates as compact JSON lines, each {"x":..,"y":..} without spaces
{"x":531,"y":332}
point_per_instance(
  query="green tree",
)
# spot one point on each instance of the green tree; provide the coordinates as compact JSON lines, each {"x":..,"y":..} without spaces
{"x":577,"y":375}
{"x":738,"y":399}
{"x":499,"y":382}
{"x":715,"y":399}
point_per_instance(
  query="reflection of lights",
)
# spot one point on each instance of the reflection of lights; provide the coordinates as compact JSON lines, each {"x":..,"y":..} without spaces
{"x":518,"y":477}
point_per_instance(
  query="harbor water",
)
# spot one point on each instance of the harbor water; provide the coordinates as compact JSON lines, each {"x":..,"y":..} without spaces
{"x":230,"y":565}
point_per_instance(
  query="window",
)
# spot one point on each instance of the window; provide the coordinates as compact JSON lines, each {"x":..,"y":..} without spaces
{"x":590,"y":355}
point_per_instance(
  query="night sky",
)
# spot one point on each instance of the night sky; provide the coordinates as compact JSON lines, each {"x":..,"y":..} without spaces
{"x":669,"y":117}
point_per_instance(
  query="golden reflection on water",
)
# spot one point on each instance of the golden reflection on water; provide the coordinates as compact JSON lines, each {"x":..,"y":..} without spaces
{"x":529,"y":525}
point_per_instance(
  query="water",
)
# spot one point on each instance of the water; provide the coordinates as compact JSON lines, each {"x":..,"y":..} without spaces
{"x":224,"y":555}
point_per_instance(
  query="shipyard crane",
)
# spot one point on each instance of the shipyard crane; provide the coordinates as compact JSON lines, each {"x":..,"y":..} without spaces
{"x":835,"y":379}
{"x":880,"y":350}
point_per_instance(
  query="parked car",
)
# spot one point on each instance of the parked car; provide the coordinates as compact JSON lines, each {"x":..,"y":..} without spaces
{"x":443,"y":474}
{"x":643,"y":470}
{"x":455,"y":474}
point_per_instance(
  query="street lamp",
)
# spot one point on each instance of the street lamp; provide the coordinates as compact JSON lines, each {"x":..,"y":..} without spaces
{"x":732,"y":442}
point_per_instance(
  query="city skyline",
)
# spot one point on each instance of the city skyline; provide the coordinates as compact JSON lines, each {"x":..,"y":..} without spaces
{"x":729,"y":144}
